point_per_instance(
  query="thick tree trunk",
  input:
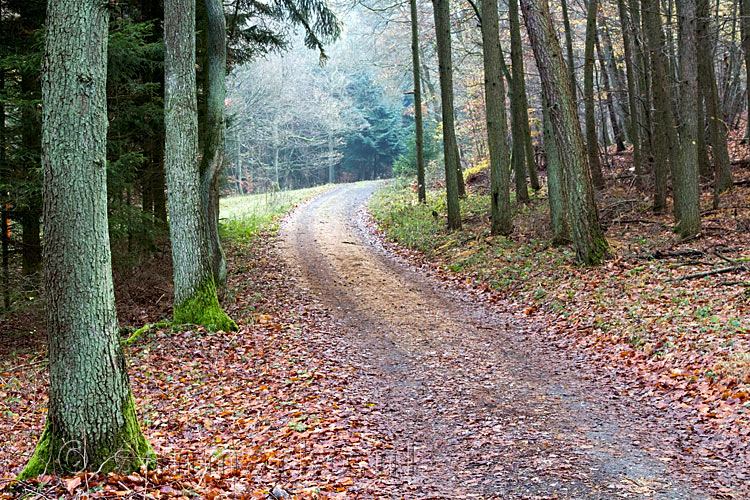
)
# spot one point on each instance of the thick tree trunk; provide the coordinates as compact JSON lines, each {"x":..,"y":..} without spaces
{"x":214,"y":135}
{"x":518,"y":155}
{"x":588,"y":236}
{"x":592,"y":145}
{"x":707,"y":81}
{"x":418,"y":128}
{"x":441,"y":9}
{"x":497,"y":123}
{"x":91,"y":422}
{"x":558,"y":205}
{"x":194,"y":288}
{"x":689,"y":192}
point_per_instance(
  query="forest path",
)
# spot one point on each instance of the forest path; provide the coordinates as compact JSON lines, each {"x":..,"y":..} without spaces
{"x":472,"y":408}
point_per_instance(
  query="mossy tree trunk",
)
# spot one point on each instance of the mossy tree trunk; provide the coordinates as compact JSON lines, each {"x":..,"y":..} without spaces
{"x":688,"y":198}
{"x":592,"y":144}
{"x":588,"y":236}
{"x":497,"y":122}
{"x":441,"y":10}
{"x":194,"y":289}
{"x":418,"y":128}
{"x":91,"y":422}
{"x":214,"y":135}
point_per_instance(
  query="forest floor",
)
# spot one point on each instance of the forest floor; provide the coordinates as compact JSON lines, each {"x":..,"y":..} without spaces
{"x":365,"y":370}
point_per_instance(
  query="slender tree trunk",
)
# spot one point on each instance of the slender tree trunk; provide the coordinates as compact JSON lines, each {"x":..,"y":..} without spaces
{"x":214,"y":132}
{"x":331,"y":164}
{"x":608,"y":101}
{"x":569,"y":48}
{"x":29,"y":215}
{"x":497,"y":124}
{"x":529,"y":146}
{"x":516,"y":103}
{"x":689,"y":199}
{"x":632,"y":92}
{"x":418,"y":129}
{"x":666,"y":149}
{"x":91,"y":422}
{"x":194,"y":288}
{"x":588,"y":236}
{"x":592,"y":145}
{"x":704,"y":163}
{"x":441,"y":9}
{"x":745,"y":29}
{"x":558,"y":205}
{"x":707,"y":82}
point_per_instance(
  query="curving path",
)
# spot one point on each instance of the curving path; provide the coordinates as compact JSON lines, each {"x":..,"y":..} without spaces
{"x":474,"y":411}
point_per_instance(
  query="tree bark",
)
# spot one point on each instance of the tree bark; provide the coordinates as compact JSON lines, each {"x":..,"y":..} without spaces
{"x":497,"y":124}
{"x":516,"y":103}
{"x":214,"y":135}
{"x":91,"y":422}
{"x":608,"y":101}
{"x":441,"y":10}
{"x":745,"y":28}
{"x":689,"y":192}
{"x":592,"y":145}
{"x":558,"y":205}
{"x":666,"y":150}
{"x":707,"y":82}
{"x":418,"y":128}
{"x":194,"y":288}
{"x":588,"y":236}
{"x":569,"y":48}
{"x":633,"y":132}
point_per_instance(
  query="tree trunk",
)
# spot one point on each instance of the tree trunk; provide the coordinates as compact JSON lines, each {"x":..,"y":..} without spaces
{"x":418,"y":129}
{"x":592,"y":145}
{"x":497,"y":123}
{"x":516,"y":103}
{"x":30,"y":213}
{"x":745,"y":29}
{"x":666,"y":149}
{"x":214,"y":135}
{"x":608,"y":101}
{"x":707,"y":82}
{"x":558,"y":205}
{"x":441,"y":9}
{"x":588,"y":236}
{"x":91,"y":422}
{"x":689,"y":198}
{"x":632,"y":95}
{"x":194,"y":288}
{"x":569,"y":48}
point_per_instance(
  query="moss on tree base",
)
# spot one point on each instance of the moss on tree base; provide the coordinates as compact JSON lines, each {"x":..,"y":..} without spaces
{"x":203,"y":309}
{"x":125,"y":452}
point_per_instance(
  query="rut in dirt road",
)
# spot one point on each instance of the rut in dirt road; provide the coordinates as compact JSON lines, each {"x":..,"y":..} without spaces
{"x":472,"y":414}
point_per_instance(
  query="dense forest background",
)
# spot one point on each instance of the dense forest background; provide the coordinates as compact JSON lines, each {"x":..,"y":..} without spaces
{"x":301,"y":112}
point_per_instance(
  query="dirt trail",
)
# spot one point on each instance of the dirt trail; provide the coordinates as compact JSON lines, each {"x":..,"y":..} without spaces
{"x":472,"y":412}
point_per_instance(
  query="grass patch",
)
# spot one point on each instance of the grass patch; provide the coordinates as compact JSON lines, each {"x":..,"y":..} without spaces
{"x":245,"y":217}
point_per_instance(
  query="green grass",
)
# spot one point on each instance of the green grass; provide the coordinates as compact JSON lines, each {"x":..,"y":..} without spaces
{"x":243,"y":217}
